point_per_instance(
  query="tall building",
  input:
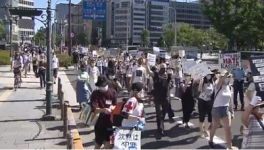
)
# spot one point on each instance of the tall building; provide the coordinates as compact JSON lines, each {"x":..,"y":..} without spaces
{"x":26,"y":24}
{"x":131,"y":17}
{"x":189,"y":12}
{"x":5,"y":38}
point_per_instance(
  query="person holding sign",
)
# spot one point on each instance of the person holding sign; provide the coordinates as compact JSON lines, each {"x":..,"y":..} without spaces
{"x":222,"y":108}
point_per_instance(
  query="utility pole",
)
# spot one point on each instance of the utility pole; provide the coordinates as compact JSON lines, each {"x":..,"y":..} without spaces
{"x":69,"y":31}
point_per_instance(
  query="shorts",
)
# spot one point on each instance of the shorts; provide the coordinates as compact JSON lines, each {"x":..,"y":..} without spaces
{"x":17,"y":71}
{"x":55,"y":73}
{"x":220,"y":112}
{"x":102,"y":134}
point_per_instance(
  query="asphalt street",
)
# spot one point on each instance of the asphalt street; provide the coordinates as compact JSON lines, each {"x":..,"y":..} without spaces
{"x":176,"y":135}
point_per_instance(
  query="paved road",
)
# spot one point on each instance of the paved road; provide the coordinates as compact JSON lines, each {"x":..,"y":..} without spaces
{"x":176,"y":135}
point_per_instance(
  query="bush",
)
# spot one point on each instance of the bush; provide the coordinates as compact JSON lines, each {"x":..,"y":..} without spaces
{"x":4,"y":57}
{"x":64,"y":60}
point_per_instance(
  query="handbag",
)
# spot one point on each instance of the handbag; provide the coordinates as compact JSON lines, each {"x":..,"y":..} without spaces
{"x":84,"y":112}
{"x":91,"y":118}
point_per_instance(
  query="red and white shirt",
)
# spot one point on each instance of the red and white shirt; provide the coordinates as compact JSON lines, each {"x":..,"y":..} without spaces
{"x":132,"y":107}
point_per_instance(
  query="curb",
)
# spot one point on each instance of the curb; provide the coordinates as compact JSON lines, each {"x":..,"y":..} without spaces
{"x":77,"y":141}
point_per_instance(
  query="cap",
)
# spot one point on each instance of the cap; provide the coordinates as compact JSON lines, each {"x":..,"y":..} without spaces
{"x":137,"y":87}
{"x":224,"y":72}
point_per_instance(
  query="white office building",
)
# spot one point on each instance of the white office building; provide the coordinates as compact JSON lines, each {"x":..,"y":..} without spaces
{"x":131,"y":17}
{"x":26,"y":24}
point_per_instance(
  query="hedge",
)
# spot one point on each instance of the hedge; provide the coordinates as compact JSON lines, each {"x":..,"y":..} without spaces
{"x":64,"y":59}
{"x":4,"y":57}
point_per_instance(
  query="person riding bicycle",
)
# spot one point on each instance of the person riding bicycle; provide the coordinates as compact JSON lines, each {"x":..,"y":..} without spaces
{"x":17,"y":65}
{"x":133,"y":110}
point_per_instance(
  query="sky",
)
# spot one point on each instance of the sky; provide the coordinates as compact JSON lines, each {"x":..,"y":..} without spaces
{"x":43,"y":4}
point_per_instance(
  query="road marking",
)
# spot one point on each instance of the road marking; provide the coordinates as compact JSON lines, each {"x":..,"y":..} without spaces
{"x":5,"y":95}
{"x":217,"y":140}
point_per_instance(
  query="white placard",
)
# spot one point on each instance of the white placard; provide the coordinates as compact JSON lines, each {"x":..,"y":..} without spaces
{"x":229,"y":61}
{"x":113,"y":52}
{"x":127,"y":139}
{"x":94,"y":53}
{"x":199,"y":71}
{"x":187,"y":64}
{"x":256,"y":61}
{"x":258,"y":79}
{"x":151,"y":59}
{"x":139,"y":54}
{"x":156,"y":50}
{"x":181,"y":53}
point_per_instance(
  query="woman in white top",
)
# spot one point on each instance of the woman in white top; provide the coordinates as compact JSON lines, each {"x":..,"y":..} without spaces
{"x":93,"y":72}
{"x":206,"y":88}
{"x":222,"y":107}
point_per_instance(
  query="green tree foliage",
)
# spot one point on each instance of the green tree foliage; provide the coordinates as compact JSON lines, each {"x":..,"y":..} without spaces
{"x":40,"y":37}
{"x":58,"y":39}
{"x":94,"y":37}
{"x":82,"y":38}
{"x":239,"y":20}
{"x":2,"y":28}
{"x":161,"y":42}
{"x":145,"y":37}
{"x":168,"y":34}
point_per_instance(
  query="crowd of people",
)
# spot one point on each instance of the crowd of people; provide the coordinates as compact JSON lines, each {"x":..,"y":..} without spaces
{"x":215,"y":95}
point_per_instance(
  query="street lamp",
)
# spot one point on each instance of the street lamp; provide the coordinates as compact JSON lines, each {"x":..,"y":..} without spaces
{"x":127,"y":31}
{"x":49,"y":88}
{"x":62,"y":25}
{"x":175,"y":24}
{"x":9,"y":20}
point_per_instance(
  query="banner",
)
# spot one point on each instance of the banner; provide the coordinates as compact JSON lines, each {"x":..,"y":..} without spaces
{"x":229,"y":61}
{"x":127,"y":139}
{"x":151,"y":59}
{"x":257,"y":70}
{"x":199,"y":70}
{"x":187,"y":64}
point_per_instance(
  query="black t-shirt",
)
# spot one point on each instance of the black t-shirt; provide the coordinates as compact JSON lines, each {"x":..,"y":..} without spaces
{"x":162,"y":85}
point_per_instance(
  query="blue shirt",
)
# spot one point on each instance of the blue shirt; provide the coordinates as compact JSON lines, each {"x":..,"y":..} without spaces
{"x":238,"y":73}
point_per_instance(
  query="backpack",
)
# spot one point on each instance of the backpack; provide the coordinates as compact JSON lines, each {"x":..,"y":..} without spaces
{"x":116,"y":116}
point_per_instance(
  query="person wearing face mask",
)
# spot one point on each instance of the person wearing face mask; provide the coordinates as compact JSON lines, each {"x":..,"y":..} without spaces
{"x":162,"y":83}
{"x":187,"y":99}
{"x":93,"y":72}
{"x":222,"y":109}
{"x":206,"y":88}
{"x":252,"y":118}
{"x":112,"y":81}
{"x":82,"y":86}
{"x":103,"y":102}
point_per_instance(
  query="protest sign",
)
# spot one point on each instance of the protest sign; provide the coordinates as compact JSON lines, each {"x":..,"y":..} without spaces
{"x":181,"y":53}
{"x":151,"y":59}
{"x":139,"y":54}
{"x":94,"y":53}
{"x":256,"y":64}
{"x":156,"y":50}
{"x":127,"y":139}
{"x":113,"y":52}
{"x":187,"y":64}
{"x":199,"y":70}
{"x":229,"y":61}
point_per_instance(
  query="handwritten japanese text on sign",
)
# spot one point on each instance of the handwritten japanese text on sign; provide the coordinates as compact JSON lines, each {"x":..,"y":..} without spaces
{"x":187,"y":64}
{"x":229,"y":60}
{"x":151,"y":59}
{"x":199,"y":70}
{"x":127,"y":139}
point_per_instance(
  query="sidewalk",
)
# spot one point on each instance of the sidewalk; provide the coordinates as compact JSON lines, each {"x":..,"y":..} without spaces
{"x":20,"y":114}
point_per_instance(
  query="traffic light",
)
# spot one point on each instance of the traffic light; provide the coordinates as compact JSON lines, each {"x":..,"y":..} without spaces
{"x":28,"y":12}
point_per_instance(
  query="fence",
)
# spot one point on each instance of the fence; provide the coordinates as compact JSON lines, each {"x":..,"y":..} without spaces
{"x":72,"y":135}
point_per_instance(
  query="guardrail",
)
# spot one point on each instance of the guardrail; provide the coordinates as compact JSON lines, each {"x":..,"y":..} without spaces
{"x":72,"y":136}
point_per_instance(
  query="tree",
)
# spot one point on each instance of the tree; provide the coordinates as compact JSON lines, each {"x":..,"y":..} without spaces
{"x":168,"y":34}
{"x":2,"y":28}
{"x":40,"y":37}
{"x":238,"y":20}
{"x":58,"y":39}
{"x":94,"y":37}
{"x":145,"y":37}
{"x":161,"y":42}
{"x":82,"y":38}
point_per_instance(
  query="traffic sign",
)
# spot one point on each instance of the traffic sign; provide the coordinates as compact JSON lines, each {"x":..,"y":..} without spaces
{"x":72,"y":35}
{"x":94,"y":10}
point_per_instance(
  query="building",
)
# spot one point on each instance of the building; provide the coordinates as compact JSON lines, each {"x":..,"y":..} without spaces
{"x":26,"y":24}
{"x":5,"y":38}
{"x":131,"y":17}
{"x":189,"y":12}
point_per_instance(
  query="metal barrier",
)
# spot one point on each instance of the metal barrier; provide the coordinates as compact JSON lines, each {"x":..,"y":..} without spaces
{"x":70,"y":141}
{"x":65,"y":120}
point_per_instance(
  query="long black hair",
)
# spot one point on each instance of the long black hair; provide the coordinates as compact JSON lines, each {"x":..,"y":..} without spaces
{"x":205,"y":80}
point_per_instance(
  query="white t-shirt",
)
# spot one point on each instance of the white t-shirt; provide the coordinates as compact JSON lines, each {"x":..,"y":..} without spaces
{"x":139,"y":73}
{"x":250,"y":88}
{"x":54,"y":63}
{"x":223,"y":96}
{"x":206,"y":92}
{"x":18,"y":62}
{"x":93,"y":72}
{"x":132,"y":107}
